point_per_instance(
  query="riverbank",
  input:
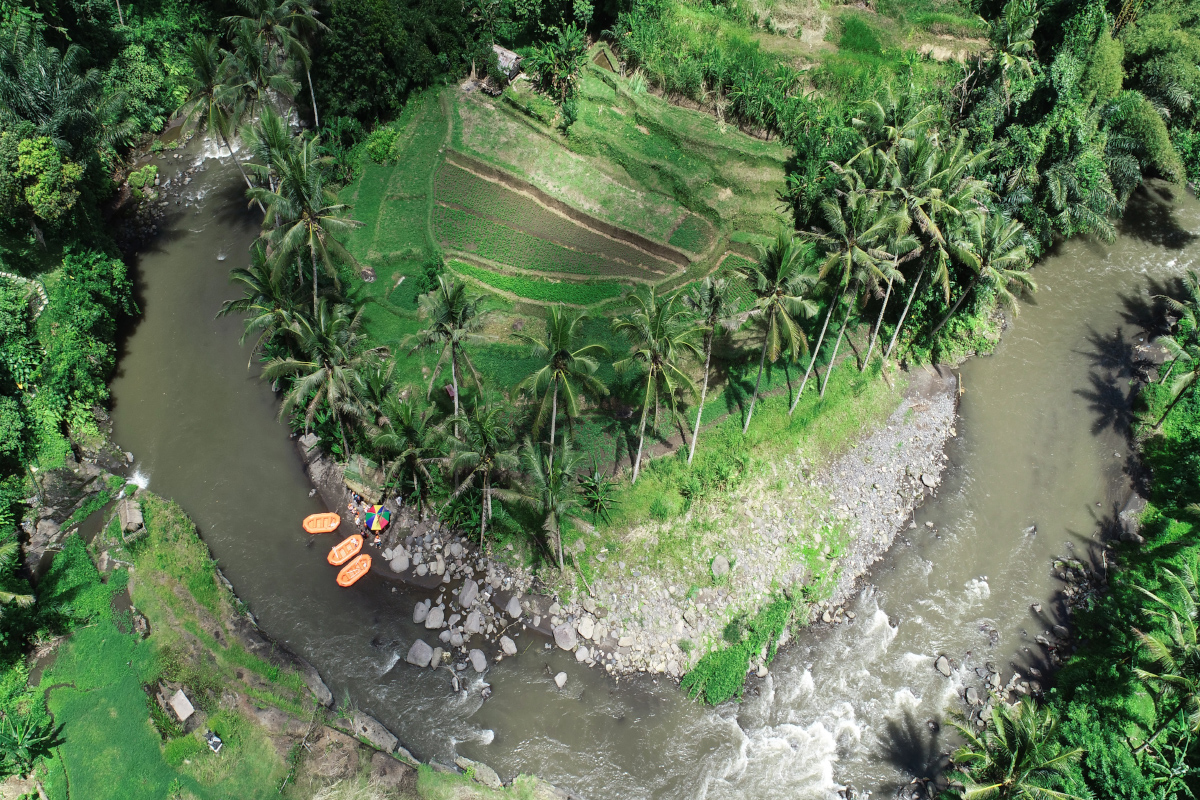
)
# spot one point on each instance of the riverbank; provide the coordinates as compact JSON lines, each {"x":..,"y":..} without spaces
{"x":160,"y":621}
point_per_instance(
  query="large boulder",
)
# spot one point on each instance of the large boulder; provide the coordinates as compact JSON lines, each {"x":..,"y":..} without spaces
{"x":586,"y":627}
{"x":368,"y":728}
{"x":564,"y":636}
{"x":399,"y":561}
{"x":942,"y":665}
{"x":420,"y":654}
{"x":513,"y":609}
{"x":468,"y":593}
{"x":720,"y":567}
{"x":478,"y":660}
{"x":481,"y":772}
{"x":421,"y":612}
{"x":474,"y":623}
{"x":508,"y":646}
{"x":435,"y":618}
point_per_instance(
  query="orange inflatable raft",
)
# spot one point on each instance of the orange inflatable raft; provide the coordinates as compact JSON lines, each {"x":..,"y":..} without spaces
{"x":354,"y":570}
{"x":345,"y":550}
{"x":322,"y":523}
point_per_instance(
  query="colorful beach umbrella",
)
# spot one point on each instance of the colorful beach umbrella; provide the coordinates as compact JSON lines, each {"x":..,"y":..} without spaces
{"x":378,"y":518}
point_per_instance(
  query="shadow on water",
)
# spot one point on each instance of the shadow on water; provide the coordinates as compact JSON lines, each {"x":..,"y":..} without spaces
{"x":1151,"y":218}
{"x":917,"y":749}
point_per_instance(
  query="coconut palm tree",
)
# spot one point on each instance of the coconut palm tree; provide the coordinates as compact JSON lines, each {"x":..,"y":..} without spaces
{"x":270,"y":143}
{"x":660,"y":335}
{"x":303,"y":215}
{"x":483,"y":456}
{"x":1187,"y":310}
{"x":256,"y":71}
{"x":408,"y":442}
{"x":782,"y":279}
{"x":563,"y":368}
{"x":1186,"y":355}
{"x":995,"y":248}
{"x":270,"y":305}
{"x":453,"y":318}
{"x":213,"y":105}
{"x":1172,"y":649}
{"x":861,"y":225}
{"x":333,"y":349}
{"x":1017,"y":757}
{"x":287,"y":27}
{"x":1012,"y":40}
{"x":714,"y":308}
{"x":548,"y":489}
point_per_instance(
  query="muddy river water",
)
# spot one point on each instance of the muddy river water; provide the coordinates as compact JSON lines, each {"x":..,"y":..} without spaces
{"x":1038,"y":461}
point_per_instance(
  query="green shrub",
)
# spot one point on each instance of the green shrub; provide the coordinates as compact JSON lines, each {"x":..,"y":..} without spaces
{"x":721,"y":674}
{"x":380,"y":142}
{"x":181,"y":749}
{"x":859,"y":37}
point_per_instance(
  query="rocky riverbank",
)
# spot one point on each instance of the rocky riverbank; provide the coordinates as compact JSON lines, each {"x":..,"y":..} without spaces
{"x":812,"y":523}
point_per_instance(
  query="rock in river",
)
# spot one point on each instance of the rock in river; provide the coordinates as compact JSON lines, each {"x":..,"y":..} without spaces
{"x":420,"y":654}
{"x":399,"y":561}
{"x":586,"y":627}
{"x":435,"y":618}
{"x":513,"y":609}
{"x":478,"y":660}
{"x":942,"y":665}
{"x":560,"y":680}
{"x":564,"y":636}
{"x":508,"y":646}
{"x":474,"y":623}
{"x":421,"y":611}
{"x":370,"y":729}
{"x":468,"y":593}
{"x":582,"y":654}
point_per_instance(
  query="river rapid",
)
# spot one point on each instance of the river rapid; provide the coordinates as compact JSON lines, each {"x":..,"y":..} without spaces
{"x":1039,"y":460}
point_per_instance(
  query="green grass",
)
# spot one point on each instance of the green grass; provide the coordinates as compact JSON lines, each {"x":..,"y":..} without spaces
{"x":694,"y":234}
{"x":543,"y":291}
{"x":859,"y":37}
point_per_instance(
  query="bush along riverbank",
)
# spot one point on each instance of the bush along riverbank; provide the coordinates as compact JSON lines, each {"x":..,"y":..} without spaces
{"x":136,"y":616}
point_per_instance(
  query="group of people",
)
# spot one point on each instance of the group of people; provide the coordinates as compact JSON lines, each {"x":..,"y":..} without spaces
{"x":358,"y":507}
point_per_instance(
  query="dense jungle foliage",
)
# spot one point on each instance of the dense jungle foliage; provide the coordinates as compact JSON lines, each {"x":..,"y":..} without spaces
{"x":921,"y":192}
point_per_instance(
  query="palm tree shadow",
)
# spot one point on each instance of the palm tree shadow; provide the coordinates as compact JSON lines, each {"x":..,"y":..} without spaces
{"x":1150,"y":217}
{"x":917,"y":750}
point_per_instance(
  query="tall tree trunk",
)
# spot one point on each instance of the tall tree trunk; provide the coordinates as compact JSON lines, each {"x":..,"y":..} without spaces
{"x":120,"y":16}
{"x":878,"y":322}
{"x":553,"y":420}
{"x":558,"y":536}
{"x":1162,"y":380}
{"x":312,"y":94}
{"x":483,"y":503}
{"x":812,"y":361}
{"x":313,"y":254}
{"x":703,"y":394}
{"x":238,"y":164}
{"x":637,"y":462}
{"x":957,"y":303}
{"x":1174,"y":402}
{"x":903,"y":314}
{"x":454,"y":383}
{"x":754,"y":397}
{"x":833,"y":358}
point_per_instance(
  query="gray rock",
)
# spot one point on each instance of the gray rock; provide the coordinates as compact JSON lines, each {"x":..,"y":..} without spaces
{"x":720,"y":567}
{"x":422,"y":569}
{"x":474,"y":623}
{"x":468,"y":593}
{"x":625,"y":641}
{"x":482,"y":773}
{"x":399,"y":561}
{"x":560,"y":680}
{"x":586,"y":627}
{"x":420,"y":654}
{"x":589,"y":604}
{"x":436,"y":661}
{"x":513,"y":609}
{"x":456,"y":639}
{"x":421,"y":612}
{"x":312,"y":679}
{"x":942,"y":665}
{"x":478,"y":660}
{"x":508,"y":646}
{"x":582,"y":654}
{"x":929,"y":480}
{"x":369,"y":728}
{"x":689,"y":616}
{"x":435,"y":618}
{"x":444,"y":636}
{"x":973,"y":696}
{"x":564,"y":636}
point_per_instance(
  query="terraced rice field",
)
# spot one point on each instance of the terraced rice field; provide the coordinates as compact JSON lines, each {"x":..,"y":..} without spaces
{"x":493,"y":222}
{"x":540,"y":290}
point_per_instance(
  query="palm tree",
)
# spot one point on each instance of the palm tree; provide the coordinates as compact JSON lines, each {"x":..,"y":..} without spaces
{"x":270,"y":305}
{"x":995,"y":247}
{"x":1173,"y":649}
{"x":303,"y":215}
{"x":1012,"y":40}
{"x":283,"y":26}
{"x":562,"y":368}
{"x":409,"y":443}
{"x":782,"y":280}
{"x":1187,"y":354}
{"x":659,"y":335}
{"x":547,"y":489}
{"x":212,"y":105}
{"x":860,"y":226}
{"x":8,"y":551}
{"x":453,"y":319}
{"x":270,"y":143}
{"x":334,"y":349}
{"x":483,"y":456}
{"x":256,"y":71}
{"x":1187,"y":309}
{"x":1017,"y":757}
{"x":597,"y":490}
{"x":713,"y":308}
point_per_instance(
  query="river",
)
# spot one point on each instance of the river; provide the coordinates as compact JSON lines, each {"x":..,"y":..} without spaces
{"x":1040,"y":443}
